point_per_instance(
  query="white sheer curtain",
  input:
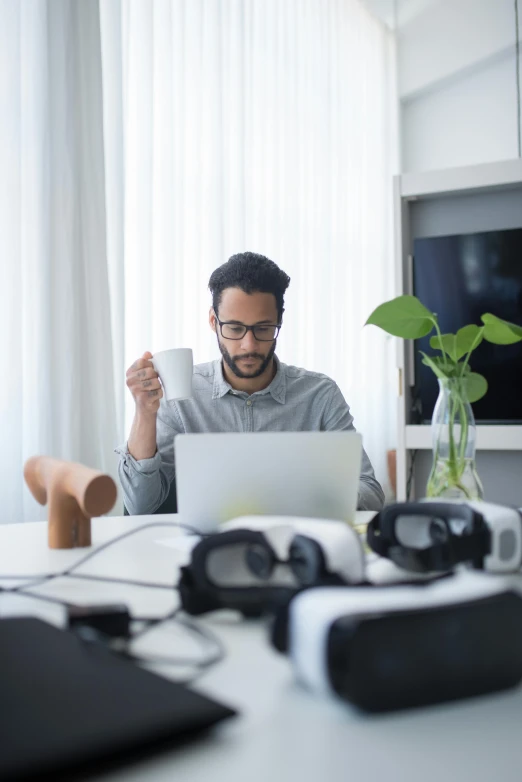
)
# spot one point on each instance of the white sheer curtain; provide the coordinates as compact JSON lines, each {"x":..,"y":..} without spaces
{"x":261,"y":125}
{"x":57,"y":394}
{"x":141,"y":144}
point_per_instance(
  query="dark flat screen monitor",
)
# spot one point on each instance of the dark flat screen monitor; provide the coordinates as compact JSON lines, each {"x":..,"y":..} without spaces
{"x":461,"y":277}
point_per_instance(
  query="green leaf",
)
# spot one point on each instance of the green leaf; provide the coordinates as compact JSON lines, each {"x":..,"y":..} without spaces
{"x":499,"y":331}
{"x":446,"y":343}
{"x":476,"y":386}
{"x":404,"y":316}
{"x":446,"y":368}
{"x":441,"y":369}
{"x":468,"y":338}
{"x":459,"y":344}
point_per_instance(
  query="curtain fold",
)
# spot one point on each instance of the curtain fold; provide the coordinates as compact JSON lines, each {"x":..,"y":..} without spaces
{"x":141,"y":144}
{"x":267,"y":126}
{"x":58,"y":396}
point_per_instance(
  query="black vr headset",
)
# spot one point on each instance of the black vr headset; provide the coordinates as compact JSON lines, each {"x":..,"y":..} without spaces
{"x":395,"y":647}
{"x":436,"y":536}
{"x":254,"y":569}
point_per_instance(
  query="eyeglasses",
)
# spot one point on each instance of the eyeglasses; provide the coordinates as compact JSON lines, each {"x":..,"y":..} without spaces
{"x":262,"y":333}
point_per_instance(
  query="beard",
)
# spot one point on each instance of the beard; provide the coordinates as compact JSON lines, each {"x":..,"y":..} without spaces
{"x":231,"y":361}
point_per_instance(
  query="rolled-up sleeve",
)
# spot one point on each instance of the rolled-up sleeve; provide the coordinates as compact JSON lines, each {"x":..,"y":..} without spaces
{"x":338,"y":418}
{"x":146,"y":482}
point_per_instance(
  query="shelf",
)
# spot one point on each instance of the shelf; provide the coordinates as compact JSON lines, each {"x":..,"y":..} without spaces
{"x":468,"y":179}
{"x":489,"y":438}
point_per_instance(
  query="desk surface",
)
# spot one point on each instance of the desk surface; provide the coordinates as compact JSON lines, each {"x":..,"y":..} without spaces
{"x":284,"y":732}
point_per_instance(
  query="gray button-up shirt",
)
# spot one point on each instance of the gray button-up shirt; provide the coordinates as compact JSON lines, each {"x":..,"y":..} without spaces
{"x":295,"y":401}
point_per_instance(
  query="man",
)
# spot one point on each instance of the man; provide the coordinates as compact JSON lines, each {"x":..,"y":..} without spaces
{"x":249,"y":390}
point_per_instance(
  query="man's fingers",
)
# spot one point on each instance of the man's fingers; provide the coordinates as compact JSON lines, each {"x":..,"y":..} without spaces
{"x":144,"y":384}
{"x":140,"y":364}
{"x":150,"y":400}
{"x":146,"y":373}
{"x":137,"y":384}
{"x":151,"y":383}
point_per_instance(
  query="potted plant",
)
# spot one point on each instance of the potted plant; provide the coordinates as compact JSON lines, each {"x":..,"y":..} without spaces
{"x":453,"y":473}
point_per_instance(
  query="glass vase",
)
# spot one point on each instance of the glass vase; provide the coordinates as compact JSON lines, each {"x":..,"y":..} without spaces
{"x":453,"y":473}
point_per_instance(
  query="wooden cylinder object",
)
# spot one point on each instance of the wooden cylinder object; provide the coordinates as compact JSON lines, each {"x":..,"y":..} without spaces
{"x":74,"y":493}
{"x":391,"y":458}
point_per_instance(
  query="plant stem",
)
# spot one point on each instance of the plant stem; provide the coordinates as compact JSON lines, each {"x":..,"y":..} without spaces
{"x":452,"y":461}
{"x":476,"y":341}
{"x":463,"y":431}
{"x":449,"y":470}
{"x":463,"y":489}
{"x":436,"y":324}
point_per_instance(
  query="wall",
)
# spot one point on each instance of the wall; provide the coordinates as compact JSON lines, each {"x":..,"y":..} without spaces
{"x":457,"y":82}
{"x":456,"y":70}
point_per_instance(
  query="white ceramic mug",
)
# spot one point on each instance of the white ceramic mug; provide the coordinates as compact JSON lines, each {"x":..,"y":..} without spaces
{"x":175,"y":370}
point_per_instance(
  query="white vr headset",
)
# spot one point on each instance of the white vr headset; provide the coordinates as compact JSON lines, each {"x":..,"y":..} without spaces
{"x":431,"y":536}
{"x":258,"y":562}
{"x":392,"y":647}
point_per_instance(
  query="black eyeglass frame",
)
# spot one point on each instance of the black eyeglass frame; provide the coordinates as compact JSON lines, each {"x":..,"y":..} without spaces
{"x":276,"y":326}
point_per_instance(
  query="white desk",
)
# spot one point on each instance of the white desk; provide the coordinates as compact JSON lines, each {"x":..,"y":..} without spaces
{"x":284,"y":733}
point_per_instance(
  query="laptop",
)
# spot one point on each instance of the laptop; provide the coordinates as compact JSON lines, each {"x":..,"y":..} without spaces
{"x":69,"y":708}
{"x":220,"y":476}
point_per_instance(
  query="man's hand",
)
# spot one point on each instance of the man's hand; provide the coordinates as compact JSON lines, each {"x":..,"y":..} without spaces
{"x":144,"y":384}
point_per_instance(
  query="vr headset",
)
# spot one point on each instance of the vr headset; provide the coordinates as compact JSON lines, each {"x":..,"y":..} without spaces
{"x":394,"y":647}
{"x":436,"y":536}
{"x":256,"y":563}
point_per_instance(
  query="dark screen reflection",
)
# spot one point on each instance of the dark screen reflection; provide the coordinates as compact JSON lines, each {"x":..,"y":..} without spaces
{"x":460,"y":278}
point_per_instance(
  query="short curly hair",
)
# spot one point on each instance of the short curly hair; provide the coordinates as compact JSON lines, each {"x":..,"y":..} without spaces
{"x":252,"y":273}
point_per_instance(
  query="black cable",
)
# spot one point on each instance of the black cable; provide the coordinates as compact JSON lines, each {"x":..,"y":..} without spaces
{"x":115,"y":580}
{"x":91,"y":635}
{"x":149,"y":621}
{"x":25,"y":589}
{"x":203,"y":633}
{"x":44,"y":577}
{"x":121,"y":646}
{"x":517,"y":66}
{"x":127,"y":534}
{"x":84,"y":576}
{"x":152,"y":622}
{"x":46,"y":598}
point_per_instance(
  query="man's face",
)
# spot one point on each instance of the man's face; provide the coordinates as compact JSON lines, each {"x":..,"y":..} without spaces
{"x":246,"y":357}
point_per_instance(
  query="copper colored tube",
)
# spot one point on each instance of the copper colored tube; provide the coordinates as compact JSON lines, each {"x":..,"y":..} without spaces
{"x":74,"y":493}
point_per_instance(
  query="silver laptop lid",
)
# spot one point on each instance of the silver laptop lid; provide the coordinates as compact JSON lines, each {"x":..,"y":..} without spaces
{"x":220,"y":476}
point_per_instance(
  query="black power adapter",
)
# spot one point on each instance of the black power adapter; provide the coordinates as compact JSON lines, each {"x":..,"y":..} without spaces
{"x":111,"y":620}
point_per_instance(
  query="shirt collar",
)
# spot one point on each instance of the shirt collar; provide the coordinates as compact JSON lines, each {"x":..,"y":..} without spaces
{"x":277,"y":388}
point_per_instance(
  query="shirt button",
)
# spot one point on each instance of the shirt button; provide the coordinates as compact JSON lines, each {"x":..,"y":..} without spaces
{"x":249,"y":403}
